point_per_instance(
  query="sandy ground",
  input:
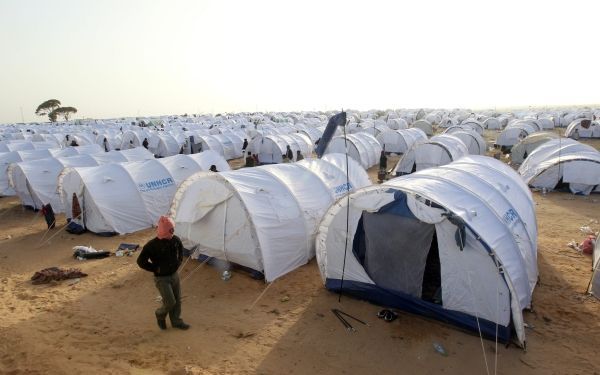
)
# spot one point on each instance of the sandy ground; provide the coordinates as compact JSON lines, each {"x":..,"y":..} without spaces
{"x":104,"y":324}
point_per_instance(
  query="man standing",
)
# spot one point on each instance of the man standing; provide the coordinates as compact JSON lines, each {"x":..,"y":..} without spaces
{"x":162,"y":255}
{"x":244,"y":146}
{"x":289,"y":153}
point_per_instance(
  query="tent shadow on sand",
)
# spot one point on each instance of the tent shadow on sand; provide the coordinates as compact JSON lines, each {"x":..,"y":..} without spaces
{"x":323,"y":346}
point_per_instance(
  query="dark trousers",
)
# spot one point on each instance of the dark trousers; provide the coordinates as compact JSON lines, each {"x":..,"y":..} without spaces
{"x":170,"y":291}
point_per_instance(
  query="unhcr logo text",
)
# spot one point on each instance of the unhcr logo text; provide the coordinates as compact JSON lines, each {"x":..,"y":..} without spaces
{"x":156,"y":184}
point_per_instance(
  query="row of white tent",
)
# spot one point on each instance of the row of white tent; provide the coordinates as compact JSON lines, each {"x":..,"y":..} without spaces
{"x":8,"y":158}
{"x":275,"y":218}
{"x":128,"y":197}
{"x":563,"y":161}
{"x":36,"y":181}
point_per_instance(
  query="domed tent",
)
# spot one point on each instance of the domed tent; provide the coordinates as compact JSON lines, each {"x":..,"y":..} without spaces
{"x":474,"y":125}
{"x":270,"y":148}
{"x":436,"y":151}
{"x":447,"y":122}
{"x":263,"y":218}
{"x":127,"y":197}
{"x":8,"y":146}
{"x":583,"y":128}
{"x":546,"y":123}
{"x":513,"y":133}
{"x":562,"y":163}
{"x":163,"y":144}
{"x":362,"y":147}
{"x":134,"y":138}
{"x":455,"y":243}
{"x":521,"y":150}
{"x":474,"y":142}
{"x":228,"y":145}
{"x":492,"y":123}
{"x":423,"y":125}
{"x":397,"y":123}
{"x":375,"y":129}
{"x":400,"y":141}
{"x":35,"y":182}
{"x":8,"y":158}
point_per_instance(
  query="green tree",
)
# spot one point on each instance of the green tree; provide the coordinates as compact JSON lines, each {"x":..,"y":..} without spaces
{"x":65,"y":112}
{"x":47,"y":107}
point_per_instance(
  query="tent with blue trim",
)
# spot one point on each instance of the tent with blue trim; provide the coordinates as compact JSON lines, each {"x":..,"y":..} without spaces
{"x":455,"y":243}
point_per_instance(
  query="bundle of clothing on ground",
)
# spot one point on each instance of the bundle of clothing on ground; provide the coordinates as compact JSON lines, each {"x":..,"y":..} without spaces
{"x":55,"y":274}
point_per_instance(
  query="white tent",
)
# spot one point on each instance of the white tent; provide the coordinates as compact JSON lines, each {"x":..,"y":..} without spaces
{"x":492,"y":123}
{"x":362,"y":147}
{"x":270,"y":148}
{"x":474,"y":142}
{"x":400,"y":141}
{"x":594,"y":286}
{"x":546,"y":123}
{"x":423,"y":125}
{"x":35,"y":181}
{"x":582,"y":128}
{"x":473,"y":124}
{"x":521,"y":150}
{"x":8,"y":158}
{"x":163,"y":144}
{"x":227,"y":145}
{"x":436,"y":151}
{"x":397,"y":123}
{"x":514,"y":132}
{"x":127,"y":197}
{"x":7,"y":146}
{"x":563,"y":161}
{"x":263,"y":218}
{"x":456,"y":243}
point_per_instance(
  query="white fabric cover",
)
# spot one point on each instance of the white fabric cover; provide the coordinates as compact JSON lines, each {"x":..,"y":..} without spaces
{"x":36,"y":181}
{"x":576,"y":163}
{"x":266,"y":217}
{"x":492,"y":201}
{"x":128,"y":197}
{"x":362,"y":147}
{"x":436,"y":151}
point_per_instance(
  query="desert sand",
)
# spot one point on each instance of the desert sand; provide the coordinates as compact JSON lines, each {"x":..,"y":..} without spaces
{"x":104,"y":323}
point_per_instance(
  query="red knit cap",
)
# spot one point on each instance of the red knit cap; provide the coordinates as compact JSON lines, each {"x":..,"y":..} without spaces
{"x":166,"y":228}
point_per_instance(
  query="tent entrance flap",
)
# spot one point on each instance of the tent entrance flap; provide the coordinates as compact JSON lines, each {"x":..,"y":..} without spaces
{"x":393,"y":247}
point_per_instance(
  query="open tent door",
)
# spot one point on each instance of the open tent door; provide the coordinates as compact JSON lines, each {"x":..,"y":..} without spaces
{"x":393,"y":246}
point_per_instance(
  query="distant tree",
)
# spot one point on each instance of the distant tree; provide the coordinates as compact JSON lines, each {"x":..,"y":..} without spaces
{"x":65,"y":112}
{"x":52,"y":116}
{"x":47,"y":107}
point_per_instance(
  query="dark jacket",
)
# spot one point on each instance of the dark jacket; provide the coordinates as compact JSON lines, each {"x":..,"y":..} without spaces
{"x":290,"y":154}
{"x":163,"y":257}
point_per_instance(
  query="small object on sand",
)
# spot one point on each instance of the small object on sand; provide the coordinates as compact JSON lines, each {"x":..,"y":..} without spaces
{"x":74,"y":281}
{"x":226,"y":275}
{"x":440,"y":349}
{"x":285,"y":299}
{"x":47,"y":275}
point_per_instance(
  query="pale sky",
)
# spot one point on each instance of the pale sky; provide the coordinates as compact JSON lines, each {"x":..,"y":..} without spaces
{"x":116,"y":58}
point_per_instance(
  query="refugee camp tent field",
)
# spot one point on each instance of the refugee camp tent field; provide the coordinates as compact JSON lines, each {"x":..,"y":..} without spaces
{"x":104,"y":323}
